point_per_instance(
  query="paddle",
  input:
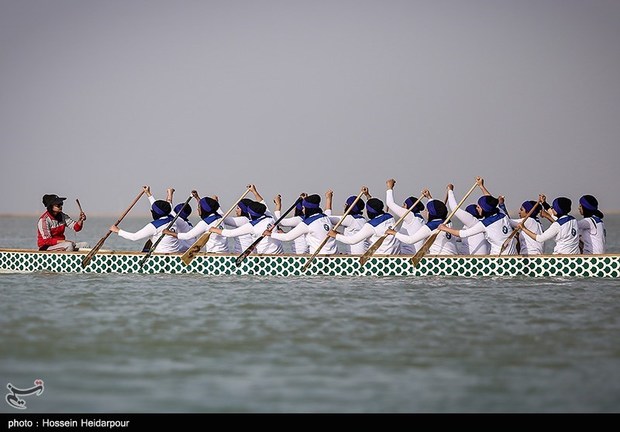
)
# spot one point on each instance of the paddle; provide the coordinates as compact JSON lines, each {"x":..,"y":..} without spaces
{"x":517,"y":229}
{"x":318,"y":249}
{"x":190,"y":254}
{"x":174,"y":219}
{"x":431,"y":239}
{"x":251,"y":248}
{"x":372,"y":249}
{"x":147,"y":245}
{"x":94,"y":250}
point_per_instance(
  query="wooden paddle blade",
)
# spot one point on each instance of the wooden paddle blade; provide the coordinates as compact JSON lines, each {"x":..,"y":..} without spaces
{"x":247,"y":252}
{"x":191,"y":253}
{"x":424,"y":249}
{"x":309,"y":260}
{"x":146,"y":257}
{"x":372,"y":249}
{"x":147,"y":246}
{"x":306,"y":265}
{"x":507,"y":241}
{"x":94,"y":250}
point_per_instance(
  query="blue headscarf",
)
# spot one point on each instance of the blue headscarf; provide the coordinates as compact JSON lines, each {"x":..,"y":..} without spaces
{"x":311,"y":205}
{"x":243,"y":205}
{"x":472,"y":210}
{"x":160,"y":208}
{"x":562,"y":206}
{"x":529,"y":205}
{"x":256,"y":210}
{"x":359,"y":205}
{"x":589,"y":204}
{"x":488,"y":204}
{"x":183,"y":214}
{"x":374,"y":208}
{"x":208,"y":206}
{"x":436,"y":210}
{"x":419,"y":206}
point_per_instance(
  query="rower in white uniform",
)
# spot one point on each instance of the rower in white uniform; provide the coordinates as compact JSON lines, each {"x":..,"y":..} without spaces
{"x":445,"y":243}
{"x":493,"y":223}
{"x":315,"y":226}
{"x":564,"y":230}
{"x":591,"y":228}
{"x":260,"y":220}
{"x":412,"y":222}
{"x":378,"y":223}
{"x":352,"y":223}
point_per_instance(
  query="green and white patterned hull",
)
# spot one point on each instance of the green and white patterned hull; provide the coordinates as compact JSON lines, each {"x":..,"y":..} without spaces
{"x":28,"y":261}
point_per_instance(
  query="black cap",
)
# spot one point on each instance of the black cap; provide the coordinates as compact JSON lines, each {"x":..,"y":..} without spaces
{"x":49,"y":200}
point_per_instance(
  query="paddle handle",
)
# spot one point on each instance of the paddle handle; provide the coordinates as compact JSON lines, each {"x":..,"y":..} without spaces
{"x":454,"y":210}
{"x":120,"y":219}
{"x":190,"y":253}
{"x":236,"y":203}
{"x":410,"y":209}
{"x":251,"y":248}
{"x":94,"y":250}
{"x":517,"y":229}
{"x":431,"y":239}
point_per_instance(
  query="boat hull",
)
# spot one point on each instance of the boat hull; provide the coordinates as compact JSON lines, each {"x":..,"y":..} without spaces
{"x":29,"y":261}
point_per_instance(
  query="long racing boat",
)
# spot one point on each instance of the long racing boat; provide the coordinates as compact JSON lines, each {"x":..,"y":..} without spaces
{"x":30,"y":261}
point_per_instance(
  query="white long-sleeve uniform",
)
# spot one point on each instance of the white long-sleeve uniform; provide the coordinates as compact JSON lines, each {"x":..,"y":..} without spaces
{"x":370,"y":232}
{"x":566,"y":233}
{"x":315,"y":229}
{"x":216,"y":243}
{"x":167,"y":244}
{"x":184,"y":227}
{"x":299,"y":246}
{"x":180,"y":226}
{"x":352,"y":225}
{"x":267,"y":245}
{"x":444,"y":244}
{"x":593,"y":235}
{"x":409,"y":226}
{"x":497,"y":229}
{"x":243,"y":241}
{"x":476,"y":244}
{"x":529,"y":246}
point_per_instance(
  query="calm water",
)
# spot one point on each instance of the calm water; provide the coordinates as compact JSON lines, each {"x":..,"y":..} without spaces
{"x":188,"y":343}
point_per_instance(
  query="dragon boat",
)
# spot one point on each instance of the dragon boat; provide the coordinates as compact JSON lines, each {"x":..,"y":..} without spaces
{"x":587,"y":266}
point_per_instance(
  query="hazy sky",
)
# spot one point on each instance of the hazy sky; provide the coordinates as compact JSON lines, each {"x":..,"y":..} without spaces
{"x":98,"y":98}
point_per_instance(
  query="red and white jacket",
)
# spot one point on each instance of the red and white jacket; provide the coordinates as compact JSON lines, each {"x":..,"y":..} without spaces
{"x":51,"y":231}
